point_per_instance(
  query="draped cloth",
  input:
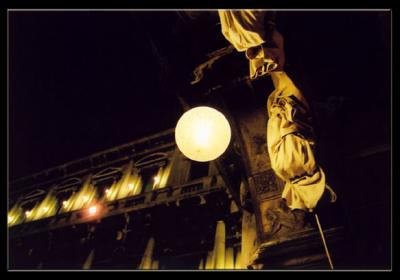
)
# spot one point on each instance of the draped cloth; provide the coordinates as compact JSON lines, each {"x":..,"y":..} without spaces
{"x":244,"y":29}
{"x":289,"y":131}
{"x":252,"y":32}
{"x":290,"y":141}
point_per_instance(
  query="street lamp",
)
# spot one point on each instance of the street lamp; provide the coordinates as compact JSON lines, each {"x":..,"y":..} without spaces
{"x":203,"y":134}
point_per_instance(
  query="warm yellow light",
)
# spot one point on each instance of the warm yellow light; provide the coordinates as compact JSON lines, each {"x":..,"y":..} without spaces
{"x":156,"y":180}
{"x":202,"y":134}
{"x":130,"y":186}
{"x":28,"y":213}
{"x":93,"y":210}
{"x":65,"y":203}
{"x":107,"y":191}
{"x":10,"y":219}
{"x":85,"y":198}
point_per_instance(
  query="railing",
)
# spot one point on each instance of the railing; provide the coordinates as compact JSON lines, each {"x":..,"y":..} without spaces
{"x":165,"y":195}
{"x":101,"y":159}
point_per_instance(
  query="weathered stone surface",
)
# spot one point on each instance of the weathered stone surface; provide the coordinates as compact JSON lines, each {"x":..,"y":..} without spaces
{"x":253,"y":129}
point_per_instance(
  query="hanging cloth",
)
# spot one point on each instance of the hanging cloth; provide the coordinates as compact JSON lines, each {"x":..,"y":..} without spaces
{"x":253,"y":32}
{"x":291,"y":145}
{"x":289,"y":131}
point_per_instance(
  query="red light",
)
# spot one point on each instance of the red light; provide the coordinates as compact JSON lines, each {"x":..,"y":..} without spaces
{"x":93,"y":210}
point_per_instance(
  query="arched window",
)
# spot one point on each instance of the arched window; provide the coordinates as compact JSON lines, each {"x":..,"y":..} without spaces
{"x":154,"y":171}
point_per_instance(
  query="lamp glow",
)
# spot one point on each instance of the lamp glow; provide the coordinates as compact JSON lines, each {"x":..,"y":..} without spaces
{"x":130,"y":186}
{"x":202,"y":134}
{"x":92,"y":210}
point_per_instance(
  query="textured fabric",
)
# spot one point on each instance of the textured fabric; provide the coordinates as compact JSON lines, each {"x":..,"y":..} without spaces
{"x":290,"y":145}
{"x":260,"y":64}
{"x":245,"y":30}
{"x":289,"y":131}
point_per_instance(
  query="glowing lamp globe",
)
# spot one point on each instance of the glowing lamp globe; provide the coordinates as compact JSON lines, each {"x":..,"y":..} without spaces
{"x":202,"y":134}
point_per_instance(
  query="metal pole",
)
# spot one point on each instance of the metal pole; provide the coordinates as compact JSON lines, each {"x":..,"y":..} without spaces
{"x":324,"y":242}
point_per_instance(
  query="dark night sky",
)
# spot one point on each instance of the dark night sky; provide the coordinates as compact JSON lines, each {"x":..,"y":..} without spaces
{"x":81,"y":82}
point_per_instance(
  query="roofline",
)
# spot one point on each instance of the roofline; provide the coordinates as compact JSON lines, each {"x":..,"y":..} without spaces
{"x":137,"y":141}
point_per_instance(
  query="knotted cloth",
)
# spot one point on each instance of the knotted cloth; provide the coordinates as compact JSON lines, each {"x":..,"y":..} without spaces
{"x":290,"y":135}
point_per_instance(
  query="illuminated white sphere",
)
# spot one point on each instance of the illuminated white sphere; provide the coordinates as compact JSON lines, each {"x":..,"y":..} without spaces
{"x":202,"y":134}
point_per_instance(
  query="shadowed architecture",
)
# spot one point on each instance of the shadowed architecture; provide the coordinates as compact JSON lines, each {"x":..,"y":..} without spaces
{"x":144,"y":205}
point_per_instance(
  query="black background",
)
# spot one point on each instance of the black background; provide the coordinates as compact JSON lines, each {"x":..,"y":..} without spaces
{"x":85,"y":81}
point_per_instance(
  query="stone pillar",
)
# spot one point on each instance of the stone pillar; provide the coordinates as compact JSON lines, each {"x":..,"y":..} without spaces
{"x":219,"y":245}
{"x":271,"y":219}
{"x":201,"y":264}
{"x":89,"y":260}
{"x":229,"y":258}
{"x":210,"y":260}
{"x":148,"y":255}
{"x":155,"y":265}
{"x":238,"y":260}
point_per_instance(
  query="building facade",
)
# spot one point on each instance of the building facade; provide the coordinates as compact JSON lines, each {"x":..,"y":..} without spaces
{"x":142,"y":205}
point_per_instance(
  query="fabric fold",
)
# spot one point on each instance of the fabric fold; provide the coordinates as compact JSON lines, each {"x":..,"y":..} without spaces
{"x":290,"y":135}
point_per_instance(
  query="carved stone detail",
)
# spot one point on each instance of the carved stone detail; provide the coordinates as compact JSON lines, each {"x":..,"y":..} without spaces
{"x":278,"y":221}
{"x":253,"y":131}
{"x":265,"y":182}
